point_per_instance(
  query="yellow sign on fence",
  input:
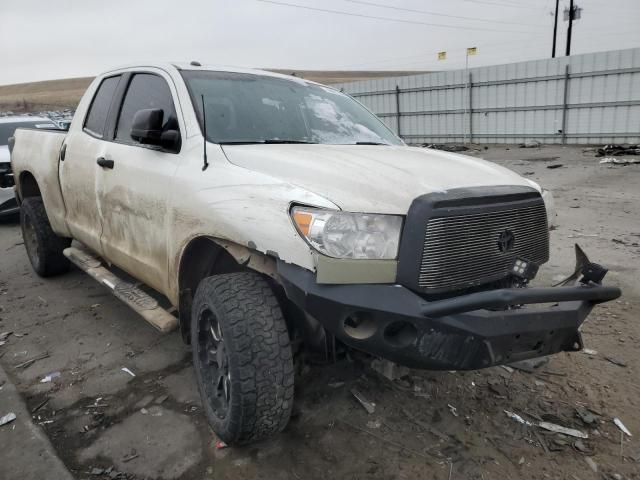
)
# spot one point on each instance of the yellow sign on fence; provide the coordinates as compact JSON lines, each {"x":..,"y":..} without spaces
{"x":472,"y":51}
{"x":442,"y":55}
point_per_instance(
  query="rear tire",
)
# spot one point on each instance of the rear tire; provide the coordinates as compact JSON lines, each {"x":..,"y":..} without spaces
{"x":242,"y":357}
{"x":44,"y":247}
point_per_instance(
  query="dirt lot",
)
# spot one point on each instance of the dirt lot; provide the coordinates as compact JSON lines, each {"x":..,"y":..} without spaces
{"x":442,"y":425}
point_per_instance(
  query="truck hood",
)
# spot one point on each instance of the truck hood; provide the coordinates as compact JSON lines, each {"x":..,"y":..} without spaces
{"x":371,"y":178}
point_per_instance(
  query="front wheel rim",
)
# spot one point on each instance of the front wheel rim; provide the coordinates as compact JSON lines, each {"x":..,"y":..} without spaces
{"x":214,"y":364}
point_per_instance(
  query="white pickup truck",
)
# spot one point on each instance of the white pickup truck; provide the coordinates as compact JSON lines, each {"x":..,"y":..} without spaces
{"x":278,"y":214}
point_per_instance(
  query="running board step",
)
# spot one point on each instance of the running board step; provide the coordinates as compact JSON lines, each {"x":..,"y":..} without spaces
{"x":127,"y":292}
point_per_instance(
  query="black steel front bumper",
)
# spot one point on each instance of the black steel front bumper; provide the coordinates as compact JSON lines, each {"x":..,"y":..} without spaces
{"x":463,"y":333}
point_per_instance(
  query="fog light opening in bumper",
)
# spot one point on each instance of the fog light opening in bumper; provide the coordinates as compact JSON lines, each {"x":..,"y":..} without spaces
{"x":359,"y":325}
{"x":400,"y":334}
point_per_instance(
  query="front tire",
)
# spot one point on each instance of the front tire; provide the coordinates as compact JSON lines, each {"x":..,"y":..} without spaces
{"x":44,"y":247}
{"x":242,"y":357}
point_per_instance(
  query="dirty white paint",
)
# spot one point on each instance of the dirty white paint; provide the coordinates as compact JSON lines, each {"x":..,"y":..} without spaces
{"x":142,"y":214}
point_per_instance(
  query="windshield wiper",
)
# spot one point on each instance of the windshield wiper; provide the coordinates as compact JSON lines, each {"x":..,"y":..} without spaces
{"x":277,"y":140}
{"x":372,"y":143}
{"x":267,"y":141}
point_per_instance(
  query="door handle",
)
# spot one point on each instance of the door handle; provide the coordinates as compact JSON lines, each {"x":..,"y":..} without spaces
{"x":63,"y":152}
{"x":104,"y":163}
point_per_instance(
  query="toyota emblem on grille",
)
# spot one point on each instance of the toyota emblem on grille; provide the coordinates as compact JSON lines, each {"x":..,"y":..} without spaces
{"x":506,"y":239}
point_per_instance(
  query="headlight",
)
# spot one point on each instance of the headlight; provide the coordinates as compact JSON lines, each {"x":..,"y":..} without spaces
{"x":550,"y":206}
{"x":349,"y":235}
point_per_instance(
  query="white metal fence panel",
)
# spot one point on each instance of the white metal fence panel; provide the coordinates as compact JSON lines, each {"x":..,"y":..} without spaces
{"x":591,"y":98}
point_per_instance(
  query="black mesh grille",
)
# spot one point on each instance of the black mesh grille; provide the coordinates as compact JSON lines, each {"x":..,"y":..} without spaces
{"x":461,"y":251}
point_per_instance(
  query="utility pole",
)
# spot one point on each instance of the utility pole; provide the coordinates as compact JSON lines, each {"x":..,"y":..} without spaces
{"x":570,"y":28}
{"x":555,"y":31}
{"x":470,"y":51}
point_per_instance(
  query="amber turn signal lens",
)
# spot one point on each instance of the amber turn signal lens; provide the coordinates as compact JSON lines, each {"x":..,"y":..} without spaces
{"x":303,"y":221}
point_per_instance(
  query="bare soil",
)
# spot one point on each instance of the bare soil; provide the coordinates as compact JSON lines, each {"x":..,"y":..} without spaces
{"x":441,"y":425}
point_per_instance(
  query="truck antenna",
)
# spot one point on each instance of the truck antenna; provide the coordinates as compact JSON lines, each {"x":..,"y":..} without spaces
{"x":204,"y":135}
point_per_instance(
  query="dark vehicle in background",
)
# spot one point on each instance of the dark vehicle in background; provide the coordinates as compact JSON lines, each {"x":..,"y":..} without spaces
{"x":8,"y":204}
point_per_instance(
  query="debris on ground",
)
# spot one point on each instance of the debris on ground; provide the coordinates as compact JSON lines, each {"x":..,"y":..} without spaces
{"x":615,"y":361}
{"x":552,"y":427}
{"x":592,"y":464}
{"x":530,"y":144}
{"x":620,"y":161}
{"x":374,"y":424}
{"x":220,"y":445}
{"x":530,"y":365}
{"x":447,"y":147}
{"x":498,"y":387}
{"x":133,"y":454}
{"x":388,"y":369}
{"x":589,"y":351}
{"x":126,"y":370}
{"x":518,"y":418}
{"x":613,"y":150}
{"x":50,"y":377}
{"x":8,"y":418}
{"x":585,"y":415}
{"x":4,"y":336}
{"x":581,"y":447}
{"x":31,"y":361}
{"x":370,"y":407}
{"x":621,"y":426}
{"x":555,"y":165}
{"x":453,"y":410}
{"x":385,"y":440}
{"x":40,"y":405}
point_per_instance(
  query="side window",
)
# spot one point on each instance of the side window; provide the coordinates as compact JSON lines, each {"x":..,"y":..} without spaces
{"x":97,"y":116}
{"x":145,"y":91}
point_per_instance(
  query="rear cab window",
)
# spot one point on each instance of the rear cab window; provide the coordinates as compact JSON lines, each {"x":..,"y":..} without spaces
{"x":96,"y":118}
{"x":146,"y":90}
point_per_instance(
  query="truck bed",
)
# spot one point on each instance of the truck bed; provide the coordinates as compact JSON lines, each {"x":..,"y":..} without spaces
{"x":36,"y":152}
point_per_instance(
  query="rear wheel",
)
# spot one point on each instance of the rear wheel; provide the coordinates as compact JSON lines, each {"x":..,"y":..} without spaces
{"x":44,"y":247}
{"x":242,"y":357}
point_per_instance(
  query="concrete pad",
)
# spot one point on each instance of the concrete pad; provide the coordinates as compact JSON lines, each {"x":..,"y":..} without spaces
{"x":168,"y":445}
{"x":26,"y":452}
{"x":182,"y":387}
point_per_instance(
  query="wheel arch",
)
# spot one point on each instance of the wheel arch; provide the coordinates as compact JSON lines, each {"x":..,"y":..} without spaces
{"x":28,"y":186}
{"x":204,"y":256}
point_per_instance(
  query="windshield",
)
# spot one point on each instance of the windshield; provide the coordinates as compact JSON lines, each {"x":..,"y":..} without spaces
{"x":248,"y":108}
{"x":7,"y":129}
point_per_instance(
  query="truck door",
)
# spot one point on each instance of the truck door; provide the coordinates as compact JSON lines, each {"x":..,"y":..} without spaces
{"x":137,"y":187}
{"x":79,"y":171}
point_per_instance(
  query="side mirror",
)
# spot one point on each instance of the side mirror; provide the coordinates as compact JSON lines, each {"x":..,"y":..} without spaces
{"x":147,"y":126}
{"x":170,"y":140}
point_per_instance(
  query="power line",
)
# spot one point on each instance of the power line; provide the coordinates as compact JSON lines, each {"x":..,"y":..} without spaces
{"x":404,"y":61}
{"x":398,"y":20}
{"x":503,"y":4}
{"x":425,"y":54}
{"x":362,"y":2}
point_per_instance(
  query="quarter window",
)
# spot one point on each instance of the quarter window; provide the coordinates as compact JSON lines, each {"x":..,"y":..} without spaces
{"x":145,"y":91}
{"x":99,"y":109}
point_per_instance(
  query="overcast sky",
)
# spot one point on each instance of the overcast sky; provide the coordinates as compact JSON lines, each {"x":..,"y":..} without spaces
{"x":47,"y":39}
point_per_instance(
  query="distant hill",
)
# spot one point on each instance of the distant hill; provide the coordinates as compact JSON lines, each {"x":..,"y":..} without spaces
{"x":66,"y":93}
{"x":47,"y":95}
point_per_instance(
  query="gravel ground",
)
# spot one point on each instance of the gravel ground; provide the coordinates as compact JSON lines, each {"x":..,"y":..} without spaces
{"x":442,"y":425}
